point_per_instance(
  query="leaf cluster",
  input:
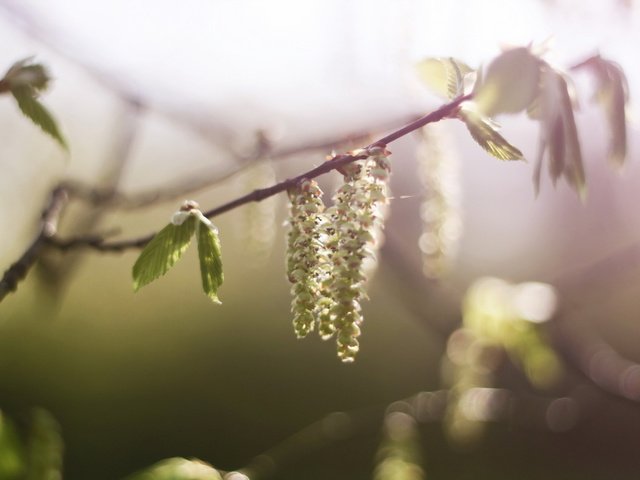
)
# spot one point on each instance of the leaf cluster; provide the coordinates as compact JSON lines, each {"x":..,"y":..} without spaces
{"x":521,"y":80}
{"x":168,"y":245}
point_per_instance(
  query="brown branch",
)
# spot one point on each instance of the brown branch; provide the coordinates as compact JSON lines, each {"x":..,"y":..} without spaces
{"x":197,"y":181}
{"x":47,"y":234}
{"x":446,"y":111}
{"x":48,"y":227}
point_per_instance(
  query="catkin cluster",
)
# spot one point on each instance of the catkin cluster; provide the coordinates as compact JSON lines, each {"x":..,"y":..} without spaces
{"x":331,"y":251}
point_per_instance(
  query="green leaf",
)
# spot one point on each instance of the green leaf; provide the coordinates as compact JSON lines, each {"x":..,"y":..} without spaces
{"x":484,"y":131}
{"x":511,"y":83}
{"x":178,"y":469}
{"x":162,"y":252}
{"x":37,"y":113}
{"x":445,"y":76}
{"x":210,"y":259}
{"x":25,"y":73}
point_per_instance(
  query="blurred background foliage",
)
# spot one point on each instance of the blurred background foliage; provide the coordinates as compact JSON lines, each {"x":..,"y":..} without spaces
{"x":459,"y":376}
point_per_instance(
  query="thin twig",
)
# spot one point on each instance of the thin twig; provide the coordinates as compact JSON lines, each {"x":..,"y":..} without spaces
{"x":47,"y":235}
{"x":446,"y":111}
{"x":197,"y":181}
{"x":48,"y":227}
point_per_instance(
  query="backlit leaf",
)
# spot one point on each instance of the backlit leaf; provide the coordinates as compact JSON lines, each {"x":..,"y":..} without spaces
{"x":162,"y":252}
{"x":511,"y":83}
{"x":612,"y":94}
{"x":37,"y":113}
{"x":25,"y":73}
{"x":210,"y":260}
{"x":559,"y":132}
{"x":484,"y":131}
{"x":445,"y":76}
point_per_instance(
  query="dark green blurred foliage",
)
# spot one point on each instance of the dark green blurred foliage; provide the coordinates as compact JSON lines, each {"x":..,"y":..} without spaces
{"x":36,"y":456}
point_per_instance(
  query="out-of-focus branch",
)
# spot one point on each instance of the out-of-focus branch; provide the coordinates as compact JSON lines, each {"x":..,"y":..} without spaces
{"x":111,"y":176}
{"x":48,"y":227}
{"x":196,"y":181}
{"x":488,"y":405}
{"x":599,"y":362}
{"x":39,"y":31}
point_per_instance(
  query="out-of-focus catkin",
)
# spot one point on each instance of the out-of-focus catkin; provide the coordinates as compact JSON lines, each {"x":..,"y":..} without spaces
{"x":257,"y":226}
{"x":440,"y":209}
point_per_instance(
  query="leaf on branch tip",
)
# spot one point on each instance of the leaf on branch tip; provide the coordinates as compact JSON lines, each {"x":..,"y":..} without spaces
{"x":484,"y":132}
{"x":559,"y":134}
{"x":162,"y":252}
{"x":511,"y":83}
{"x":37,"y":113}
{"x":445,"y":76}
{"x":210,"y":259}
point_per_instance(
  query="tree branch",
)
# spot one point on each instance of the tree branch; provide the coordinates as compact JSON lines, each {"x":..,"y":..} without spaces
{"x":446,"y":111}
{"x":48,"y":227}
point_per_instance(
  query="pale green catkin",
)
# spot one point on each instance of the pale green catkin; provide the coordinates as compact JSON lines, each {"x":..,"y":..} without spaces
{"x":304,"y":254}
{"x":354,"y":216}
{"x":330,"y":252}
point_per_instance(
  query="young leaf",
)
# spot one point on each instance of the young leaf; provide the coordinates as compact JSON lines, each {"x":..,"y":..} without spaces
{"x":25,"y":73}
{"x":613,"y":99}
{"x":162,"y":252}
{"x":210,"y":259}
{"x":37,"y":113}
{"x":511,"y":83}
{"x":613,"y":95}
{"x":12,"y":455}
{"x":559,"y":132}
{"x":484,"y":131}
{"x":444,"y":76}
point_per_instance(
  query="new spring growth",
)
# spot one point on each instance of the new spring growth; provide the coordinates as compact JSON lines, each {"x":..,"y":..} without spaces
{"x":356,"y":216}
{"x":305,"y":252}
{"x":327,"y":250}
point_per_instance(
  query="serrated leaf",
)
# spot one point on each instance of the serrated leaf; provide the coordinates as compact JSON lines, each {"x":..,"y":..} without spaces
{"x":37,"y":113}
{"x":162,"y":252}
{"x":210,"y":260}
{"x":484,"y":132}
{"x":445,"y":76}
{"x":511,"y":83}
{"x":178,"y":469}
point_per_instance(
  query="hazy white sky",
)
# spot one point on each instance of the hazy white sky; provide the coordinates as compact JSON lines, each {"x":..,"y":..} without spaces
{"x":303,"y":69}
